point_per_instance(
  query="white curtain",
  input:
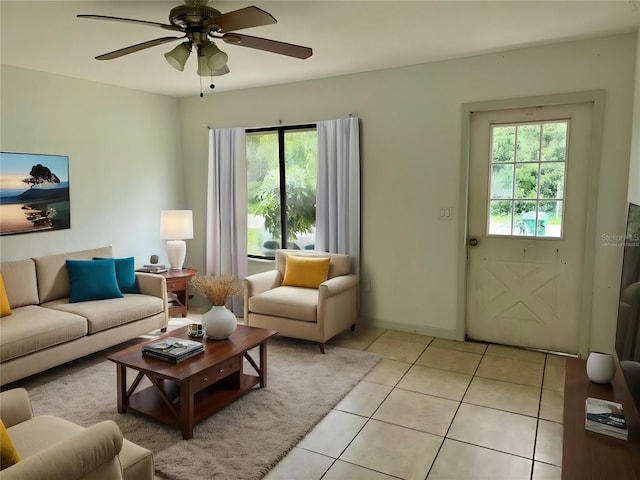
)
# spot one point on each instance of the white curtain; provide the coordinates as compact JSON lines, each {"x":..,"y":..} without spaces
{"x":226,"y":237}
{"x":338,"y":193}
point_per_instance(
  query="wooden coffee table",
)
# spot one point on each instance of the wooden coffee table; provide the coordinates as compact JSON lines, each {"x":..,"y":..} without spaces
{"x":184,"y":394}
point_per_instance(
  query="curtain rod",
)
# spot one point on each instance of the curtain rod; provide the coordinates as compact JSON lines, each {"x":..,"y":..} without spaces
{"x":280,"y":123}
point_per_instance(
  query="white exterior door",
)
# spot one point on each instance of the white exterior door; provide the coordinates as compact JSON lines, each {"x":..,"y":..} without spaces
{"x":527,"y":213}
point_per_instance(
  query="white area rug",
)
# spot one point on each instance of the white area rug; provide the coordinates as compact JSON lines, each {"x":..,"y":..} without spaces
{"x":242,"y":441}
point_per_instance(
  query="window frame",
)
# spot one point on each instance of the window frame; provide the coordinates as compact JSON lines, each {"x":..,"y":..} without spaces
{"x":280,"y":130}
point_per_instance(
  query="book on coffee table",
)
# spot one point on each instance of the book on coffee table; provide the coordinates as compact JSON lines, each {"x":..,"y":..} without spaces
{"x":603,"y":416}
{"x":173,"y":349}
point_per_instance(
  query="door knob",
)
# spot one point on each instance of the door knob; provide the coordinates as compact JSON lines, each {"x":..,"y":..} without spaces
{"x":473,"y":241}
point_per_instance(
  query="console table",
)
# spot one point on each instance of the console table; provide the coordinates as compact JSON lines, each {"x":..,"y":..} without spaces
{"x":178,"y":290}
{"x":590,"y":455}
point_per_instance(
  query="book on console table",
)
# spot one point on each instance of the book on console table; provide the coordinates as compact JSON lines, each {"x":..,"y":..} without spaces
{"x":173,"y":349}
{"x":603,"y":416}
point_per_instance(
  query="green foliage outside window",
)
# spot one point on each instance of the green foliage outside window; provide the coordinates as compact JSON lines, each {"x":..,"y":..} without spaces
{"x":538,"y":153}
{"x":300,"y":180}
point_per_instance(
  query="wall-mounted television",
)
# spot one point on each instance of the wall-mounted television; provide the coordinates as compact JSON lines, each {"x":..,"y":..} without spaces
{"x":628,"y":328}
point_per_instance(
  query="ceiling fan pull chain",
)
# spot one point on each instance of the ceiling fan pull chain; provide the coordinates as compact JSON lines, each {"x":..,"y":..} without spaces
{"x":211,"y":86}
{"x":201,"y":94}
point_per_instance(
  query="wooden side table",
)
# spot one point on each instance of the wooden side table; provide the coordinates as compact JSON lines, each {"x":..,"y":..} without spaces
{"x":178,"y":290}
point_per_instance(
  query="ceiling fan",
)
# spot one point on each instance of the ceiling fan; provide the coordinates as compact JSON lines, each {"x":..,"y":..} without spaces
{"x":201,"y":25}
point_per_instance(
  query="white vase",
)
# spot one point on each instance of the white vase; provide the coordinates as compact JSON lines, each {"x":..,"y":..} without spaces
{"x":600,"y":367}
{"x":219,"y":322}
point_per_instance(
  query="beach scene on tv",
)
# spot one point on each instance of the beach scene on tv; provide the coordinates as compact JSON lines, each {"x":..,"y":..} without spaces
{"x":34,"y":193}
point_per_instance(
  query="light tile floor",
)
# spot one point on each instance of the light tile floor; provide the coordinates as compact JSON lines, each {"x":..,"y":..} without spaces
{"x":438,"y":409}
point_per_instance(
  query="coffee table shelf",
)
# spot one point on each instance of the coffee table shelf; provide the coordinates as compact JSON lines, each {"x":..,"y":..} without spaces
{"x":205,"y":403}
{"x":186,"y":393}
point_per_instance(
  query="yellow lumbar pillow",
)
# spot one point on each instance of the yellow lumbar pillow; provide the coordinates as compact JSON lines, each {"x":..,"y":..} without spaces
{"x":307,"y":272}
{"x":8,"y":453}
{"x":5,"y":308}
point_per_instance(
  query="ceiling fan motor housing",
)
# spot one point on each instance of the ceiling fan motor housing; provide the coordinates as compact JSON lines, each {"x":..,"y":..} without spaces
{"x":192,"y":14}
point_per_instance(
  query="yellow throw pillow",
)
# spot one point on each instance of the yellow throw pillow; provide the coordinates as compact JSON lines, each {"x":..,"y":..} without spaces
{"x":307,"y":272}
{"x":5,"y":308}
{"x":8,"y":453}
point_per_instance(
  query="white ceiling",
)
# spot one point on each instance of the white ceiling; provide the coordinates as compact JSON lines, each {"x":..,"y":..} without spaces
{"x":346,"y":37}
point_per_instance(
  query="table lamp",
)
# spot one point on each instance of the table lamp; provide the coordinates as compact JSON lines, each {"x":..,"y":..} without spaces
{"x":176,"y":226}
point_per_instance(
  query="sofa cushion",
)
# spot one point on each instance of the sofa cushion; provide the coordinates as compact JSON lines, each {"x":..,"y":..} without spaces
{"x":125,"y":274}
{"x":32,"y":328}
{"x":20,"y":282}
{"x":92,"y":280}
{"x":8,"y":453}
{"x":52,"y":274}
{"x":5,"y":308}
{"x":307,"y":272}
{"x":105,"y":314}
{"x":289,"y":302}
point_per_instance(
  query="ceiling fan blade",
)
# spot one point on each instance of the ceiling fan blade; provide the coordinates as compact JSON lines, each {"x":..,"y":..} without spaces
{"x":131,"y":20}
{"x":273,"y":46}
{"x":223,"y":71}
{"x":136,"y":48}
{"x":238,"y":19}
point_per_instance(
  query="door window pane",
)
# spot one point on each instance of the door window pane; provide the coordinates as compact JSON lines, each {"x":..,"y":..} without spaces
{"x":502,"y":181}
{"x":554,"y":142}
{"x":503,"y":143}
{"x":500,"y":218}
{"x":526,"y":180}
{"x":528,"y":144}
{"x":527,"y":183}
{"x":552,"y":180}
{"x":524,"y":219}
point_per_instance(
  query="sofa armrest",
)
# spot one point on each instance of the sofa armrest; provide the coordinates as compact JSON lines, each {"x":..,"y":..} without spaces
{"x":261,"y":282}
{"x":15,"y":407}
{"x":152,"y":284}
{"x":74,"y":457}
{"x":336,"y":285}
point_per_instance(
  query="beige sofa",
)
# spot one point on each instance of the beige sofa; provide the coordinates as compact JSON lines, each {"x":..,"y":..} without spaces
{"x":45,"y":330}
{"x":55,"y":449}
{"x":305,"y":313}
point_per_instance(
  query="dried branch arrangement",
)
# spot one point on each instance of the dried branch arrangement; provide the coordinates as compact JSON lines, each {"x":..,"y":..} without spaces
{"x":218,"y":290}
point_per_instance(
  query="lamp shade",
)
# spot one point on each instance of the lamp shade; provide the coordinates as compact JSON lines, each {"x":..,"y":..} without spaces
{"x":210,"y":59}
{"x":176,"y":224}
{"x":178,"y":56}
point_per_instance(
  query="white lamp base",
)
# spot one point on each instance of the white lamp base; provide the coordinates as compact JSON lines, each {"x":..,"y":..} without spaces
{"x":176,"y":252}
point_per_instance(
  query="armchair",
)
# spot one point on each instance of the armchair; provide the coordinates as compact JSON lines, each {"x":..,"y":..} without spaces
{"x":56,"y":449}
{"x":315,"y":314}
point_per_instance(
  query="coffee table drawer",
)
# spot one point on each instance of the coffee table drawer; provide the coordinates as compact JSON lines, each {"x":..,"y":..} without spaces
{"x":216,"y":373}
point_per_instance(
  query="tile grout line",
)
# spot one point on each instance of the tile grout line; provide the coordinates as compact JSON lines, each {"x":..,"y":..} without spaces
{"x":370,"y":417}
{"x":456,"y":413}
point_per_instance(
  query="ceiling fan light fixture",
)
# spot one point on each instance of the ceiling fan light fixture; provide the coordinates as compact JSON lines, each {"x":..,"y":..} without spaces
{"x":203,"y":67}
{"x":216,"y":58}
{"x":178,"y":56}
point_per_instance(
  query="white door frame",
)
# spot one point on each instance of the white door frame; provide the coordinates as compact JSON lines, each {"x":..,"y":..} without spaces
{"x":597,"y":98}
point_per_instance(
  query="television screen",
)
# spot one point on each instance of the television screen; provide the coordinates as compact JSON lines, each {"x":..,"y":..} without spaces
{"x":628,"y":328}
{"x":627,"y":338}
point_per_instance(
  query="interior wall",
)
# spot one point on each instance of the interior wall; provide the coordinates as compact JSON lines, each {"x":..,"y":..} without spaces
{"x":124,"y":160}
{"x":410,"y":149}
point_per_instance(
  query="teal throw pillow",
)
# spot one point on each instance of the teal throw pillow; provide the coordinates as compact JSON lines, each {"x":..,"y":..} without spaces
{"x":125,"y":274}
{"x":92,"y":280}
